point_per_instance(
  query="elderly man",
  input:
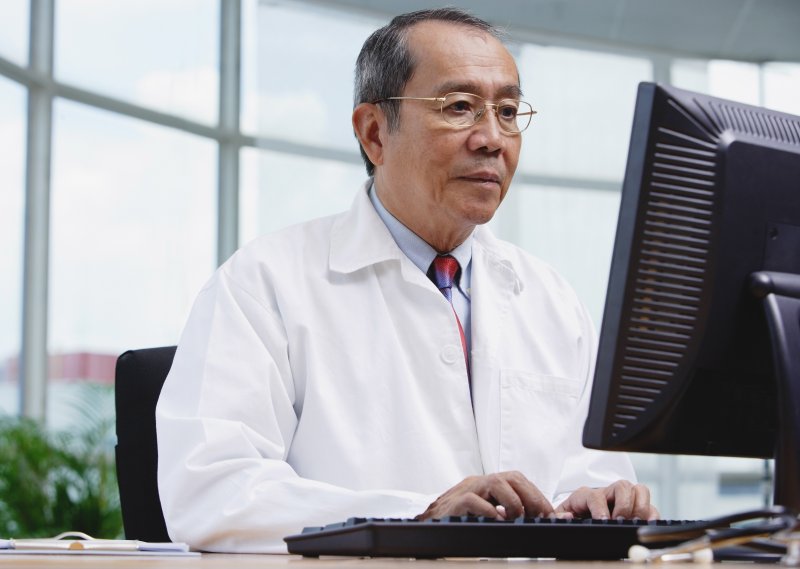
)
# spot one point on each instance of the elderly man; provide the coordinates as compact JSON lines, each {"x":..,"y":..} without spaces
{"x":395,"y":360}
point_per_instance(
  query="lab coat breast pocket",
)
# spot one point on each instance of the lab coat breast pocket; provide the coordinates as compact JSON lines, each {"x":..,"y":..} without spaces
{"x":537,"y":412}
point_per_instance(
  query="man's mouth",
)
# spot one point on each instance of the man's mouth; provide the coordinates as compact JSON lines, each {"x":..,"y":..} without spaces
{"x":483,"y":177}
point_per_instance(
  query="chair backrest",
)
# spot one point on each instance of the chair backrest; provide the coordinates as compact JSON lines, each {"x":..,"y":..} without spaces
{"x":140,"y":375}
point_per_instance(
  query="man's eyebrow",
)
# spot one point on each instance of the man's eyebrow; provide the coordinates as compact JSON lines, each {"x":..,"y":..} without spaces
{"x":506,"y":92}
{"x":511,"y":92}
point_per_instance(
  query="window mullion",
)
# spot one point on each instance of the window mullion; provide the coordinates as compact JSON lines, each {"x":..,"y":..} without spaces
{"x":229,"y":102}
{"x":33,"y":357}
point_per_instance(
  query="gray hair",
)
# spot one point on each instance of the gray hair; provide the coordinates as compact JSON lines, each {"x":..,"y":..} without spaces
{"x":385,"y":63}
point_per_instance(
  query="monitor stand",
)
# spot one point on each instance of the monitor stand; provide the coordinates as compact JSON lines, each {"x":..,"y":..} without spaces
{"x":780,"y":293}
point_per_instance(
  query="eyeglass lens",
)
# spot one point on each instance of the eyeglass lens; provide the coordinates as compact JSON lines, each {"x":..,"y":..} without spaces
{"x":465,"y":109}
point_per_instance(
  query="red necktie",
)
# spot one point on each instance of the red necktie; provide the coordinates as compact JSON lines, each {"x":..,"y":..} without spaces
{"x":443,"y":272}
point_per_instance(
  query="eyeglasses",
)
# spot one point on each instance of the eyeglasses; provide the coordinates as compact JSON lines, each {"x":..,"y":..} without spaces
{"x":465,"y":109}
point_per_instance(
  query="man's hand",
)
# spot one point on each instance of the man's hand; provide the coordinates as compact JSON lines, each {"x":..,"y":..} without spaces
{"x":620,"y":500}
{"x":505,"y":495}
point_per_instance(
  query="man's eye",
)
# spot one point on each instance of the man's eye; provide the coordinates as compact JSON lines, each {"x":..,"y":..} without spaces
{"x":507,"y":112}
{"x":459,"y":107}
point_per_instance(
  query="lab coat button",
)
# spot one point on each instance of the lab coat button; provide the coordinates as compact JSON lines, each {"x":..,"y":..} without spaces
{"x":451,"y":354}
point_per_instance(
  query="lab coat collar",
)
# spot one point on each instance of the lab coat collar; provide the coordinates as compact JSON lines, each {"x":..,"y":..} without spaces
{"x":359,"y":238}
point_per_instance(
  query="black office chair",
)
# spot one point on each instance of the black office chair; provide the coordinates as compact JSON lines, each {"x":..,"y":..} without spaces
{"x":139,"y":377}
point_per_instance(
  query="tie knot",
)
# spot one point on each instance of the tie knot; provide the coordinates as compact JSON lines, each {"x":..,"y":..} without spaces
{"x":443,"y":272}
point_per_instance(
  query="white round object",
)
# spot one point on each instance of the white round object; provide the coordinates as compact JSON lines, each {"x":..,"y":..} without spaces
{"x":638,"y":553}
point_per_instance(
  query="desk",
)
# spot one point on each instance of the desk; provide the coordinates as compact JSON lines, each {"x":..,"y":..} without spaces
{"x":247,"y":561}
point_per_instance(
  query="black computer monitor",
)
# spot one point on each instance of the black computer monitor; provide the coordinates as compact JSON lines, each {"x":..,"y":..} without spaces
{"x":700,"y":340}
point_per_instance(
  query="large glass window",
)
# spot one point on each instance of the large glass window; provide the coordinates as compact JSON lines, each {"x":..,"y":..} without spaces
{"x":157,"y":54}
{"x":782,"y":87}
{"x":306,"y":98}
{"x":132,"y":241}
{"x":14,"y":31}
{"x":732,"y":80}
{"x":280,"y":189}
{"x":12,"y":203}
{"x":585,"y":101}
{"x":305,"y":79}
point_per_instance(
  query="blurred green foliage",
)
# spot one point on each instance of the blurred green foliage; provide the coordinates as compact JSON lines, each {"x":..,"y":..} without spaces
{"x":52,"y":482}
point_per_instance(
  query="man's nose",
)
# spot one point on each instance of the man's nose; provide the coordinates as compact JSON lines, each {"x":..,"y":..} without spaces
{"x":488,"y":131}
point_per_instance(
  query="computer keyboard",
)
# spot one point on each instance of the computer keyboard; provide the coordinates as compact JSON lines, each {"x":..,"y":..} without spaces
{"x":466,"y":536}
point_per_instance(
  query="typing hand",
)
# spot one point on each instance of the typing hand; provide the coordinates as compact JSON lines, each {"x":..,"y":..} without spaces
{"x":505,"y":495}
{"x":622,"y":499}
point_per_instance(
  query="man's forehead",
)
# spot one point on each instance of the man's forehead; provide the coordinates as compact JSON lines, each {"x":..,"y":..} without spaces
{"x":441,"y":34}
{"x":457,"y":57}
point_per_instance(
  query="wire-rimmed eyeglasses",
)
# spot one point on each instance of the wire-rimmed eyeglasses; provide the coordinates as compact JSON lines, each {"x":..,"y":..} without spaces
{"x":465,"y":109}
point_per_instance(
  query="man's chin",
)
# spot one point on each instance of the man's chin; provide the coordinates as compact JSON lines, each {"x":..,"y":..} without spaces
{"x":480,"y":215}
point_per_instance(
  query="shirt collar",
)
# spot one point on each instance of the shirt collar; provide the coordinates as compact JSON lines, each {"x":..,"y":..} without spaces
{"x":417,"y":249}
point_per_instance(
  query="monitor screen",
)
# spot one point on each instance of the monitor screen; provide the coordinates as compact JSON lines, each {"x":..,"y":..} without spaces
{"x":700,"y":341}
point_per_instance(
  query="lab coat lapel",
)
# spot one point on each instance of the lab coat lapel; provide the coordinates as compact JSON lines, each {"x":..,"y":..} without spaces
{"x":494,"y":283}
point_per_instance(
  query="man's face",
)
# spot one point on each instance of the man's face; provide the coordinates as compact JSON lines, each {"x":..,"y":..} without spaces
{"x":437,"y":179}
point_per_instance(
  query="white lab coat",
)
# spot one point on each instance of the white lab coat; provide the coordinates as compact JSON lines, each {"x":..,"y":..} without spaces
{"x":321,"y":376}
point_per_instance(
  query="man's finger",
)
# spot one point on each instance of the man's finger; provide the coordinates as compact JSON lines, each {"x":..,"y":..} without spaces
{"x":533,"y":501}
{"x":474,"y":505}
{"x":623,"y":498}
{"x":499,"y":488}
{"x":641,"y":502}
{"x":598,"y":505}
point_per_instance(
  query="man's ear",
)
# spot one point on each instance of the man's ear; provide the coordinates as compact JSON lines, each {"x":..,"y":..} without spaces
{"x":370,"y":127}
